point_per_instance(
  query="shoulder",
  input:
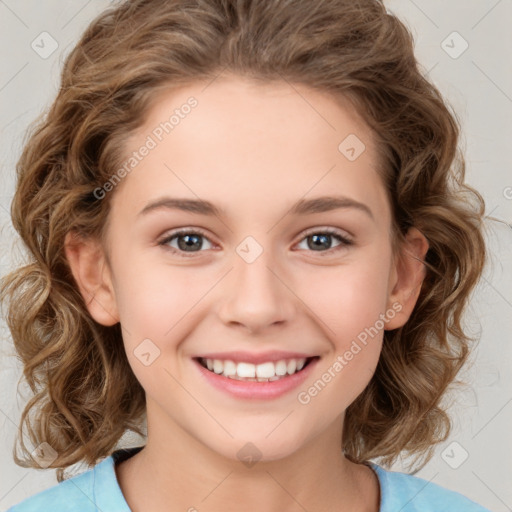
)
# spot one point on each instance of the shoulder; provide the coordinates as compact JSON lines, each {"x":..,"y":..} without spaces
{"x":70,"y":495}
{"x":92,"y":490}
{"x":408,"y":493}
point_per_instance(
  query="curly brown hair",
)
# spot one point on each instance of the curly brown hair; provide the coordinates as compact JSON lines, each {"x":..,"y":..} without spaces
{"x":84,"y":391}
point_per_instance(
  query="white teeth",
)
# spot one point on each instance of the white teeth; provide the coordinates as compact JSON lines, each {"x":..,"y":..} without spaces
{"x":292,"y":366}
{"x":266,"y":370}
{"x":281,"y":368}
{"x":229,"y":368}
{"x":218,"y":366}
{"x":263,"y":372}
{"x":246,"y":370}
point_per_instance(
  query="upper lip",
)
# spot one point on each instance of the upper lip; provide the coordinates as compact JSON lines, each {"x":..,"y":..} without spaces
{"x":255,"y":358}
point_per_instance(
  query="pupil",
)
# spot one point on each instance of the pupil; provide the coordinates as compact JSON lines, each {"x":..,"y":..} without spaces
{"x":320,"y":238}
{"x":190,"y":241}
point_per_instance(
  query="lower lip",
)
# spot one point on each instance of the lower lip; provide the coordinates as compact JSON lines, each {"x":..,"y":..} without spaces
{"x":256,"y":390}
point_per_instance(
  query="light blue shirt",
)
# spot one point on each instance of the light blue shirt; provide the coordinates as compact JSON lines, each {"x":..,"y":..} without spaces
{"x":97,"y":489}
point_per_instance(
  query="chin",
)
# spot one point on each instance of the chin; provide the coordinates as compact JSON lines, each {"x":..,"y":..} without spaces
{"x":251,"y":450}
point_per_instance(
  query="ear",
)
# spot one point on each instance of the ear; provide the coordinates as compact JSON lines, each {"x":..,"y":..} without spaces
{"x":92,"y":274}
{"x":407,"y":277}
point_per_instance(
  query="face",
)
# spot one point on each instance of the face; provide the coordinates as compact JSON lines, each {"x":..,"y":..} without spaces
{"x":262,"y":273}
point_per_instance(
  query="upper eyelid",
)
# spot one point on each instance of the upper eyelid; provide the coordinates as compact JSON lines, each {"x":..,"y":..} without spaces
{"x":327,"y":229}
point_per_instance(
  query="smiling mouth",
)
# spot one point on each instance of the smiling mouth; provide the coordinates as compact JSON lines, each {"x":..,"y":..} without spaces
{"x":264,"y":372}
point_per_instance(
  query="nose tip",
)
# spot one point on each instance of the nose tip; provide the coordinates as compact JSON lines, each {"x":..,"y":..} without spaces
{"x":255,"y":296}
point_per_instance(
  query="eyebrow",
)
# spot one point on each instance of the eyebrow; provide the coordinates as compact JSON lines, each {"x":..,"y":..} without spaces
{"x":301,"y":207}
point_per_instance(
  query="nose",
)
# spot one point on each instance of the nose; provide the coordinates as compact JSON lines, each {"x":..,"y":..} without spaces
{"x":255,"y":295}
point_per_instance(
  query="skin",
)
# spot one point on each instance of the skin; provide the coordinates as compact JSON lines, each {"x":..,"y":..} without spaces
{"x":253,"y":150}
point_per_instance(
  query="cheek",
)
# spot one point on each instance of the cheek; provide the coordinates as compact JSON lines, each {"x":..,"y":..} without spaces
{"x":163,"y":304}
{"x":349,"y":302}
{"x":156,"y":313}
{"x":346,"y":299}
{"x":155,"y":305}
{"x":151,"y":298}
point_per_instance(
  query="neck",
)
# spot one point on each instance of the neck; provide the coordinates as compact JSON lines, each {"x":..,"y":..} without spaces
{"x":165,"y":476}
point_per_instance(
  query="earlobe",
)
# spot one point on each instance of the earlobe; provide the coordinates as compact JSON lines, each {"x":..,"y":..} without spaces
{"x":91,"y":271}
{"x":407,"y":277}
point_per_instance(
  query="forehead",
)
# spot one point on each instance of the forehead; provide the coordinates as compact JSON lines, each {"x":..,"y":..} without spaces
{"x":237,"y":141}
{"x":259,"y":108}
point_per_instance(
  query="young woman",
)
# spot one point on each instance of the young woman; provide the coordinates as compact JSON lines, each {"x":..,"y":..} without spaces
{"x":250,"y":229}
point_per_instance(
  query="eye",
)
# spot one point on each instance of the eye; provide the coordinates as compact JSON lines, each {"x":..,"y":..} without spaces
{"x":318,"y":240}
{"x":191,"y":241}
{"x":187,"y":242}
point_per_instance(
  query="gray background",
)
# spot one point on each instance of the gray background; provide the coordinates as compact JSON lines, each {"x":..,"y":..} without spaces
{"x":476,"y":460}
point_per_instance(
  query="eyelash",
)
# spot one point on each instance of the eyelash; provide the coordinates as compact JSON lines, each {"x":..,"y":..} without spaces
{"x":345,"y":242}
